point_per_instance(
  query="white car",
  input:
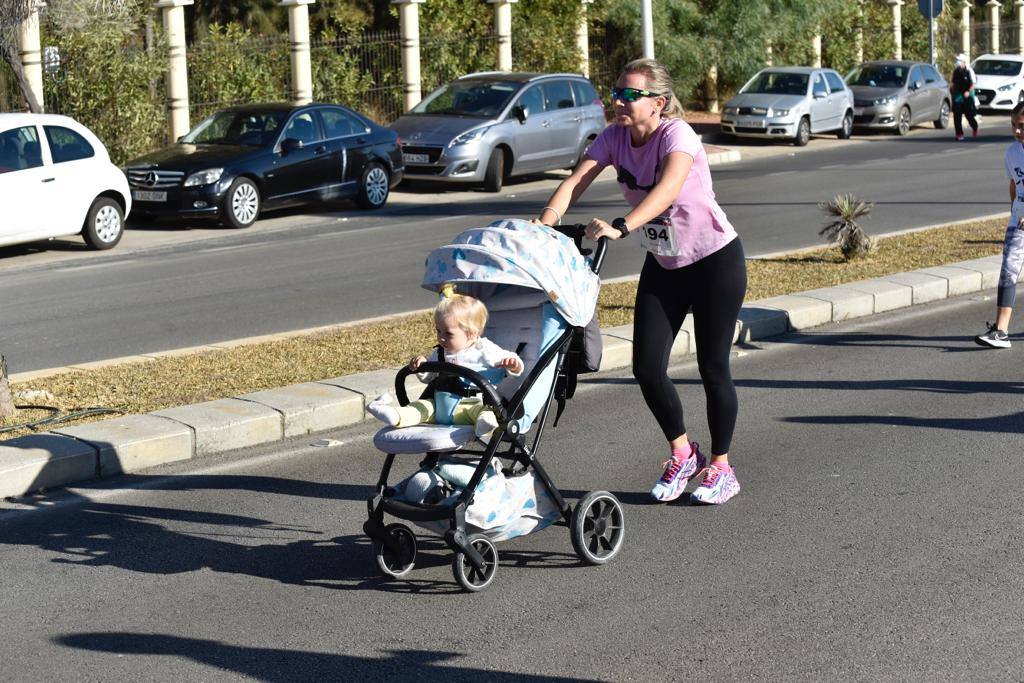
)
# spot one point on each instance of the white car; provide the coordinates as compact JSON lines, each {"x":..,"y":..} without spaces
{"x":1000,"y":81}
{"x":56,"y":179}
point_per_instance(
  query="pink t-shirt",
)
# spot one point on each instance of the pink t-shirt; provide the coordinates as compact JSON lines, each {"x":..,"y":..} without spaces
{"x":700,"y":225}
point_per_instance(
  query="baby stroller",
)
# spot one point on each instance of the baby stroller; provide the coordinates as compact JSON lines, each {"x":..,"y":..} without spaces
{"x":541,"y":292}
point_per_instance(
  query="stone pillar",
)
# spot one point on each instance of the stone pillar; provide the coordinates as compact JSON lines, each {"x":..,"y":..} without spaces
{"x":768,"y":54}
{"x":503,"y":27}
{"x":298,"y":34}
{"x":31,"y":57}
{"x":583,"y":39}
{"x":711,"y":90}
{"x":860,"y":31}
{"x":816,"y":49}
{"x":409,"y":27}
{"x":647,"y":28}
{"x":897,"y":28}
{"x":173,"y":12}
{"x":993,"y":24}
{"x":1020,"y":26}
{"x":965,"y":28}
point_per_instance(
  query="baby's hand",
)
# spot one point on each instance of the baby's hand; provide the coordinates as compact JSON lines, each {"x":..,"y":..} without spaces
{"x":416,"y":362}
{"x":511,"y":363}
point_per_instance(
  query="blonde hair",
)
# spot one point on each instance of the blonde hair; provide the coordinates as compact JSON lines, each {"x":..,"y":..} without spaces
{"x":469,"y":312}
{"x":658,"y":80}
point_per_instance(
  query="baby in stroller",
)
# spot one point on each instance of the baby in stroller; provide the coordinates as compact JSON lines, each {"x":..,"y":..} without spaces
{"x":541,"y":293}
{"x":459,"y":320}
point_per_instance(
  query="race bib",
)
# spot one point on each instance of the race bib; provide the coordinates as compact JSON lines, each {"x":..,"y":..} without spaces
{"x":659,"y":237}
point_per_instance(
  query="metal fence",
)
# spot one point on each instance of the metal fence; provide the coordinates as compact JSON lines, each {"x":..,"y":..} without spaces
{"x":981,"y":37}
{"x":361,"y":71}
{"x":10,"y":94}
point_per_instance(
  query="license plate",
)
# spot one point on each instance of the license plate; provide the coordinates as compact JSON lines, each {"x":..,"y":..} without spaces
{"x":416,"y":158}
{"x":750,"y":122}
{"x":858,"y":111}
{"x":146,"y":196}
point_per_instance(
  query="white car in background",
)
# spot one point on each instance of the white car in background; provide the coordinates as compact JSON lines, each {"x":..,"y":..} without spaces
{"x":56,"y":179}
{"x":1000,"y":81}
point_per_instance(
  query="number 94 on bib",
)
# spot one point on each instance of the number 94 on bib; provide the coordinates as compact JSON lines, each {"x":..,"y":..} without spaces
{"x":659,"y":237}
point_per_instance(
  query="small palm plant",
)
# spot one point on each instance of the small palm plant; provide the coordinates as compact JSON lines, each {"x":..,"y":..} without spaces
{"x":843,"y":211}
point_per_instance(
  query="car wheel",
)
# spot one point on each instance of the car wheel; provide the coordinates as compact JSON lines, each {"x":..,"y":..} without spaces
{"x":494,"y":177}
{"x":374,"y":187}
{"x":803,"y":132}
{"x":847,"y":128}
{"x":241,"y":204}
{"x":104,"y":224}
{"x":943,"y":119}
{"x":903,"y":122}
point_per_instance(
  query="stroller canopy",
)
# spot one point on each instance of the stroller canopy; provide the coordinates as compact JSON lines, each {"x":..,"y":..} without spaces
{"x":517,"y":253}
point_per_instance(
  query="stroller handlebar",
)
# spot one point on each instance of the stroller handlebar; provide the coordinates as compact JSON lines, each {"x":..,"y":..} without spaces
{"x":490,"y":394}
{"x":575,"y":232}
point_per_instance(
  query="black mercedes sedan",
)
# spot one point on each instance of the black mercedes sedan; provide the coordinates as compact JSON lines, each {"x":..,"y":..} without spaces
{"x":245,"y":158}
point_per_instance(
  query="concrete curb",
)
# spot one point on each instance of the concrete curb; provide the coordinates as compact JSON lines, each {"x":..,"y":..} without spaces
{"x":133,"y":442}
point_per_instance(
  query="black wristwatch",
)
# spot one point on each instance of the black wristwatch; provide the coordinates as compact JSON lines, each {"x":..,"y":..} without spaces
{"x":620,"y":225}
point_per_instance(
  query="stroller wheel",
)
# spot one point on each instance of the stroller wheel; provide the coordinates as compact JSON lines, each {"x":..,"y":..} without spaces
{"x":597,"y":527}
{"x":401,"y":563}
{"x":468,"y":576}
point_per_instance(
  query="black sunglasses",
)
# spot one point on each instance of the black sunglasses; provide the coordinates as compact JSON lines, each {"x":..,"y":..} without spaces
{"x":632,"y":94}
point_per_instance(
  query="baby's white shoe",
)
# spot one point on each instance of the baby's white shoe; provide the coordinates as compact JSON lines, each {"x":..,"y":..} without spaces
{"x":485,"y":426}
{"x":383,"y":409}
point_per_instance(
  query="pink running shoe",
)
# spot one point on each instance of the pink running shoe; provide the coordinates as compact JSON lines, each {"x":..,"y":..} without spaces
{"x":678,"y":471}
{"x":718,"y":486}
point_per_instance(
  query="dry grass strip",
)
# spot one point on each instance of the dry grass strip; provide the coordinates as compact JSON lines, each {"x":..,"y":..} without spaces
{"x":143,"y":387}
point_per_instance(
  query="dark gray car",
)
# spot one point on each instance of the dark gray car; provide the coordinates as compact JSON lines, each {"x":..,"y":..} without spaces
{"x":487,"y":127}
{"x":898,"y":95}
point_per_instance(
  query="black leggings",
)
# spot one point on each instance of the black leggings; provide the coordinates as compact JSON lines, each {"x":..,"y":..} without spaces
{"x":713,"y":287}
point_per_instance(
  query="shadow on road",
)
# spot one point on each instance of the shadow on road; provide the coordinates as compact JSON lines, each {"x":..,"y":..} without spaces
{"x":278,"y":665}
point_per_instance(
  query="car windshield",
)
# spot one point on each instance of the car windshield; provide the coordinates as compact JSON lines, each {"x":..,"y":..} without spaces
{"x":878,"y":75}
{"x":778,"y":83}
{"x":996,"y":67}
{"x":254,"y":129}
{"x":469,"y":98}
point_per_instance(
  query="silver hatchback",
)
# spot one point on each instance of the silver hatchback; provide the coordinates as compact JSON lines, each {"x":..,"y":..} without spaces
{"x":487,"y":127}
{"x":898,"y":95}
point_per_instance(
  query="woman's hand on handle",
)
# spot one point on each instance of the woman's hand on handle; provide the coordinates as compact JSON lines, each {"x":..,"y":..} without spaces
{"x":598,"y":228}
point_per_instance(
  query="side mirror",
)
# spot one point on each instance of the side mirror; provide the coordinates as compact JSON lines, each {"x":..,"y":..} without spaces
{"x":291,"y":145}
{"x":521,"y":113}
{"x":917,"y":85}
{"x":180,"y":138}
{"x":820,"y":94}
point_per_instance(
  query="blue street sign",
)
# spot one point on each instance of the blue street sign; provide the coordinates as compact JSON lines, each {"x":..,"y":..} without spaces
{"x":930,"y":8}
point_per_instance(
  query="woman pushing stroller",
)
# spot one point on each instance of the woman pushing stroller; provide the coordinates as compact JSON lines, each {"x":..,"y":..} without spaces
{"x":695,"y":262}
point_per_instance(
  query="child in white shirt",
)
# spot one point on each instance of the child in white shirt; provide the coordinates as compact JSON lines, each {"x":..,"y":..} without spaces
{"x":459,"y":320}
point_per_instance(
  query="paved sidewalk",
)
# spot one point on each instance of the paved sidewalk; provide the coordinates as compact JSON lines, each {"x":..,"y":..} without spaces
{"x":134,"y":442}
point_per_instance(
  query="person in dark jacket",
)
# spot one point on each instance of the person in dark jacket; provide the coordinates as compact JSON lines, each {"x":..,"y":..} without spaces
{"x":962,"y":88}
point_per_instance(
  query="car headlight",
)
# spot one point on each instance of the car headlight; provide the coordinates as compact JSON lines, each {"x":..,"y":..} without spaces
{"x":204,"y":177}
{"x":733,"y":111}
{"x":778,"y":112}
{"x":1005,"y":88}
{"x":891,"y":99}
{"x":469,"y":136}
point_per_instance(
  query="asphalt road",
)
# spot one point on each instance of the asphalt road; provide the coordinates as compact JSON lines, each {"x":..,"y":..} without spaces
{"x":877,"y":537}
{"x":169,"y":287}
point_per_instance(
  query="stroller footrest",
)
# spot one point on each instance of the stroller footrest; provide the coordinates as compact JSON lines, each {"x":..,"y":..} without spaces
{"x":416,"y":513}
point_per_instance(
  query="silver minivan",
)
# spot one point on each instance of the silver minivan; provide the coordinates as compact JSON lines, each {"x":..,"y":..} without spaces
{"x":488,"y":127}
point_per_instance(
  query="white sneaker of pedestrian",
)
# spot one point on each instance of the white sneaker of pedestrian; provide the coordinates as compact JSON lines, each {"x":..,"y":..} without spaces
{"x":485,"y":426}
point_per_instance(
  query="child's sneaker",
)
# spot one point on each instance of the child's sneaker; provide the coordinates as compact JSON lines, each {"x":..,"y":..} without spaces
{"x":678,"y":471}
{"x":485,"y":426}
{"x":719,"y":485}
{"x":384,"y":410}
{"x":995,"y":338}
